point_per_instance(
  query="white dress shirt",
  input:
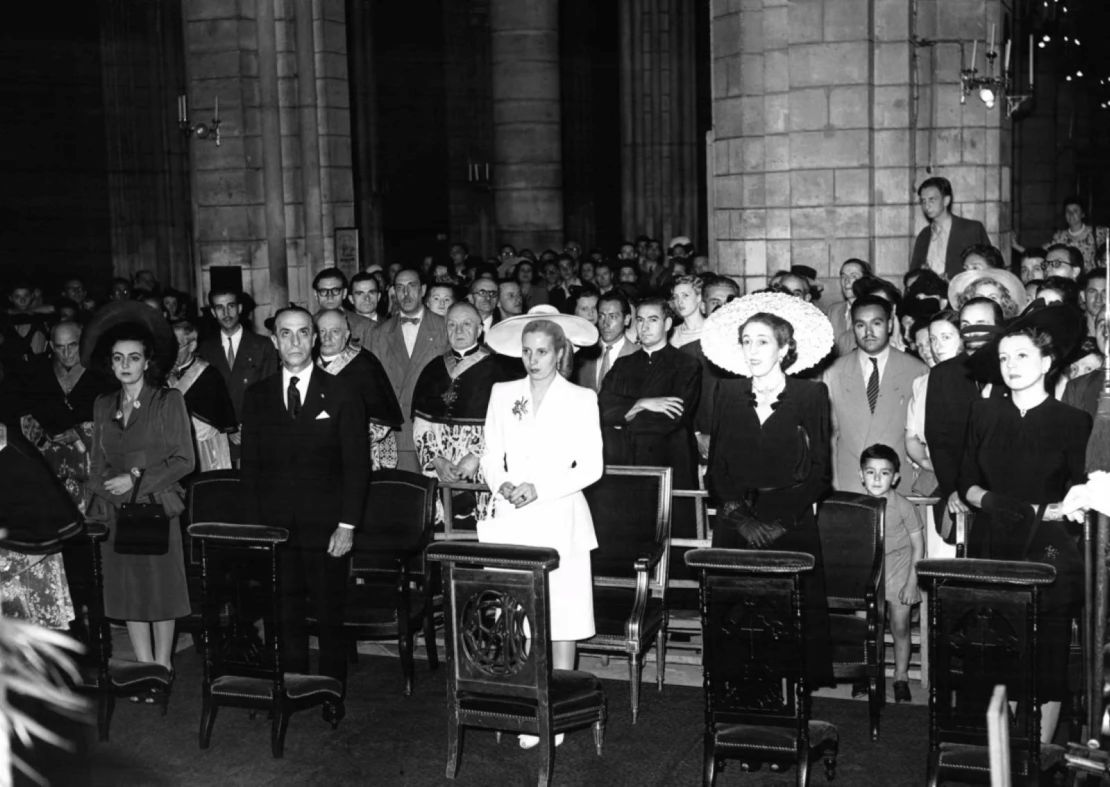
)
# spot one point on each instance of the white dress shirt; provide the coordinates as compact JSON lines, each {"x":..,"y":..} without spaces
{"x":937,"y":256}
{"x":409,"y":330}
{"x":234,"y":338}
{"x":614,"y":354}
{"x":865,"y":364}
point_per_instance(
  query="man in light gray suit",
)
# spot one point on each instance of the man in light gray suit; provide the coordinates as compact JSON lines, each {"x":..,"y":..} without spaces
{"x":614,"y":315}
{"x":404,"y":344}
{"x":869,"y":389}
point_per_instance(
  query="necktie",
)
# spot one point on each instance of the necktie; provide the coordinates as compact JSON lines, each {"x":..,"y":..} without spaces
{"x":606,"y":361}
{"x":294,"y":397}
{"x":410,"y":320}
{"x":230,"y":354}
{"x":873,"y":385}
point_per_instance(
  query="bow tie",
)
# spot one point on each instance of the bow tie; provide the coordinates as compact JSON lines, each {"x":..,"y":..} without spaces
{"x":410,"y":320}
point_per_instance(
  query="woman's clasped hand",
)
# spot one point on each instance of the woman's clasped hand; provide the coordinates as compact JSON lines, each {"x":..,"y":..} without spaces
{"x":519,"y":495}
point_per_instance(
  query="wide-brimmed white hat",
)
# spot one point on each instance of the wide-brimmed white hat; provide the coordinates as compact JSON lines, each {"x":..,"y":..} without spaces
{"x":1011,"y":283}
{"x":720,"y":338}
{"x":505,"y":337}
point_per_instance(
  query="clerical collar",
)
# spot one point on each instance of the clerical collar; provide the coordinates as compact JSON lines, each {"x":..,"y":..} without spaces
{"x":654,"y":351}
{"x":329,"y":358}
{"x":460,"y":354}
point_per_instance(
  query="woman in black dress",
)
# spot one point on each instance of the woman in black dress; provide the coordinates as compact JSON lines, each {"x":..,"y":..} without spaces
{"x":1023,"y":453}
{"x":769,"y":445}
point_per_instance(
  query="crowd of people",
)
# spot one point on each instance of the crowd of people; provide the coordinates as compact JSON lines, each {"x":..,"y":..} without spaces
{"x":526,"y":373}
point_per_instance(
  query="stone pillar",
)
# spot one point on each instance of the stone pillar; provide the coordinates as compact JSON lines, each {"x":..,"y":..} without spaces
{"x":282,"y":87}
{"x":527,"y":170}
{"x":826,"y":118}
{"x":659,"y":141}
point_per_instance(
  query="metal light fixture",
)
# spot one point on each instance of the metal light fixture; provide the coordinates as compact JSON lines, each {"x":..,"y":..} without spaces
{"x":994,"y":84}
{"x":209,"y":131}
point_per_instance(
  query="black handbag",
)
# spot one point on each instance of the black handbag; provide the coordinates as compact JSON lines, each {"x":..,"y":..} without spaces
{"x":142,"y":528}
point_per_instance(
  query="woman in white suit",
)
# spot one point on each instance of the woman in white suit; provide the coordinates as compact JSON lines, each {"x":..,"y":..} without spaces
{"x":543,"y":447}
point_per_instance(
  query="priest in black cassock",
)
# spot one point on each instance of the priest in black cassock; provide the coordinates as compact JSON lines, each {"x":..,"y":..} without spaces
{"x":449,"y":406}
{"x":211,"y":413}
{"x":649,"y":399}
{"x":363,"y":372}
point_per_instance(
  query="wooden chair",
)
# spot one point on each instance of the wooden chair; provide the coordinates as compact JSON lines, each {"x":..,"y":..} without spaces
{"x":103,"y":676}
{"x":387,"y":597}
{"x":499,"y":651}
{"x":983,"y":625}
{"x":245,"y":683}
{"x":852,"y":528}
{"x":631,"y":510}
{"x":757,"y":701}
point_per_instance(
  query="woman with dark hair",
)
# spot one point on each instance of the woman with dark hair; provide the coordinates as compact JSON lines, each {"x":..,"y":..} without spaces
{"x":1079,"y":234}
{"x":543,"y":447}
{"x":769,"y":446}
{"x":533,"y":293}
{"x":141,"y":438}
{"x":1023,"y":452}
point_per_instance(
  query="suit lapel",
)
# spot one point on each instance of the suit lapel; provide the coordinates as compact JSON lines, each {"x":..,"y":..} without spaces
{"x":315,"y":398}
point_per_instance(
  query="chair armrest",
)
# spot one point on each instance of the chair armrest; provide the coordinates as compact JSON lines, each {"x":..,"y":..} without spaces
{"x":645,"y":561}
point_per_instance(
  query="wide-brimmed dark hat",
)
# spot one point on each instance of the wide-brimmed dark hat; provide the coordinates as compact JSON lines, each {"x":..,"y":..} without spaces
{"x":1063,"y":322}
{"x":117,"y":313}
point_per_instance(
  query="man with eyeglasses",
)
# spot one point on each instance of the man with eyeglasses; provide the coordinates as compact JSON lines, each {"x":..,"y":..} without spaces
{"x":365,"y":295}
{"x":1063,"y":260}
{"x":483,"y":297}
{"x":405,"y":343}
{"x":330,"y":286}
{"x":939,"y":244}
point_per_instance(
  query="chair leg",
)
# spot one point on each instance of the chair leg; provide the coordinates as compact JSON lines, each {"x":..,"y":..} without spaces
{"x":547,"y":755}
{"x":830,"y":763}
{"x":803,"y":766}
{"x":404,"y":648}
{"x":933,"y":773}
{"x":661,"y":657}
{"x":207,"y":720}
{"x":104,"y":714}
{"x":599,"y":734}
{"x":635,"y":671}
{"x":454,"y":746}
{"x":709,"y":773}
{"x":875,"y":703}
{"x":430,"y":648}
{"x":278,"y":728}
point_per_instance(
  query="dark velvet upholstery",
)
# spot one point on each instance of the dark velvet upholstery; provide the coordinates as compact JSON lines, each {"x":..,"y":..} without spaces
{"x":631,"y":510}
{"x":983,"y":629}
{"x":852,"y":529}
{"x":235,"y":679}
{"x":757,"y":700}
{"x":499,"y":651}
{"x":387,"y":597}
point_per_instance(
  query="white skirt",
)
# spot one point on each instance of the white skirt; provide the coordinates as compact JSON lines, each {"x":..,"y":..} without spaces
{"x":570,"y":586}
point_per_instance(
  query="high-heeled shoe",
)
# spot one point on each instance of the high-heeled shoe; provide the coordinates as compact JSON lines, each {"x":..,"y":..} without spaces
{"x":532,"y":741}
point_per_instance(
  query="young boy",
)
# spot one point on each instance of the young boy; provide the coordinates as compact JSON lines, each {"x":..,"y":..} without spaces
{"x":904,"y":545}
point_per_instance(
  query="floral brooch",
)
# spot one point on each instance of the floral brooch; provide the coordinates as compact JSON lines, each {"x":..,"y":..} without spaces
{"x":520,"y":408}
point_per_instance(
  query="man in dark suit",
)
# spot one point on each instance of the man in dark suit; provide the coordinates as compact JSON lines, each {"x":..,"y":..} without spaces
{"x":240,"y":356}
{"x":939,"y":245}
{"x":405,"y":343}
{"x":306,"y":468}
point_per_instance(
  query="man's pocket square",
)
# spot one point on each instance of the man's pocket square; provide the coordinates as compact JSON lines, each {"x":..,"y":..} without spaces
{"x":322,"y":415}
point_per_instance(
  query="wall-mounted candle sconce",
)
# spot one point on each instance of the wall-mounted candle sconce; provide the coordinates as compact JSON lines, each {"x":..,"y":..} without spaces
{"x":994,"y":85}
{"x":478,"y":173}
{"x":209,"y":131}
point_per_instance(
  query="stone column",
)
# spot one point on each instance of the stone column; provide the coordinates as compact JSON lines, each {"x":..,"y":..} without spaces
{"x":659,"y":142}
{"x":527,"y":170}
{"x":826,"y":118}
{"x":282,"y":86}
